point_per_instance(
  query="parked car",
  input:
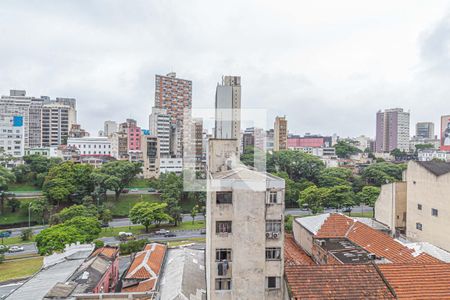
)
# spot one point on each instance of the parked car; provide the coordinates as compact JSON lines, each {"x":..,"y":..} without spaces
{"x":162,"y":232}
{"x":123,"y":233}
{"x":126,"y":236}
{"x":104,"y":225}
{"x":134,"y":190}
{"x":347,"y":209}
{"x":170,"y":234}
{"x":151,"y":190}
{"x":3,"y":248}
{"x":15,"y":249}
{"x":125,"y":191}
{"x":203,"y":231}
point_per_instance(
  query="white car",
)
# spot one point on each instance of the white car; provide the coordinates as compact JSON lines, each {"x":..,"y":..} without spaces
{"x":162,"y":232}
{"x":123,"y":233}
{"x":15,"y":249}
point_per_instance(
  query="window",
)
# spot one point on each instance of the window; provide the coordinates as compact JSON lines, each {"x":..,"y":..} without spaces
{"x":224,"y":197}
{"x":223,"y":284}
{"x":223,"y":254}
{"x":273,"y":282}
{"x":434,"y":212}
{"x":223,"y":227}
{"x":273,"y":226}
{"x":273,"y":197}
{"x":273,"y":253}
{"x":419,"y":206}
{"x":419,"y":226}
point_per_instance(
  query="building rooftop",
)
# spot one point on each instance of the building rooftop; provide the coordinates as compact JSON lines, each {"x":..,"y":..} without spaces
{"x":294,"y":255}
{"x":336,"y":282}
{"x":184,"y":275}
{"x":345,"y":251}
{"x":57,"y":268}
{"x":438,"y":168}
{"x":144,"y":271}
{"x":336,"y":225}
{"x":431,"y":281}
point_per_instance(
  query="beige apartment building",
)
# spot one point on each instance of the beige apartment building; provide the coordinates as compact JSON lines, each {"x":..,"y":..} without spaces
{"x":390,"y":207}
{"x":420,"y":206}
{"x":280,"y":138}
{"x":428,"y":203}
{"x":245,"y":228}
{"x":150,"y":155}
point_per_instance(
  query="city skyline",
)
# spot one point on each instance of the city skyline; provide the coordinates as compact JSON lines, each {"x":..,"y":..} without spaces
{"x":335,"y":70}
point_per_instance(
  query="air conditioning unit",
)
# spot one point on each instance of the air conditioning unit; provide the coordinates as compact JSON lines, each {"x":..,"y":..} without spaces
{"x":371,"y":256}
{"x":321,"y":243}
{"x":276,"y":235}
{"x":269,"y":235}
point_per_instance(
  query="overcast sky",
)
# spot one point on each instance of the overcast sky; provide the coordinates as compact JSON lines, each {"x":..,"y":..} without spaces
{"x":327,"y":65}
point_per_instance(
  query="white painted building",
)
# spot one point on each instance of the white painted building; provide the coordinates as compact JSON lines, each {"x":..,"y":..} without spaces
{"x":159,"y":124}
{"x":430,"y":154}
{"x":12,"y":136}
{"x":171,"y":165}
{"x":91,"y":146}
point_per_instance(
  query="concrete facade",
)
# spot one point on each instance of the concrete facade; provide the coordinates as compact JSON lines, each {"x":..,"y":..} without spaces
{"x":12,"y":138}
{"x":280,"y":137}
{"x":390,"y":207}
{"x":392,"y":130}
{"x":245,"y":228}
{"x":428,"y":204}
{"x":150,"y":155}
{"x":91,"y":146}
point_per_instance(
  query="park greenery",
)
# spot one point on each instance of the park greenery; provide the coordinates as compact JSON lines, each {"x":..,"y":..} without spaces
{"x":148,"y":213}
{"x":309,"y":184}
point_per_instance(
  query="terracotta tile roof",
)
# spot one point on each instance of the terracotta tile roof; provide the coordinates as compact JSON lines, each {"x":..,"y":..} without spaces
{"x":372,"y":240}
{"x":141,"y":286}
{"x":336,"y":225}
{"x":147,"y":263}
{"x":418,"y":281}
{"x":294,"y":254}
{"x":336,"y":282}
{"x":110,"y":252}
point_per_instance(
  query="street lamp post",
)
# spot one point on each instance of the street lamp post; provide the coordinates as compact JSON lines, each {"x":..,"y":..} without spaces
{"x":29,"y":215}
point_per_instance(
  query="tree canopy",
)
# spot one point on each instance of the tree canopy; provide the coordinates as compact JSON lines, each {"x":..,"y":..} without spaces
{"x":118,"y":175}
{"x":345,"y":149}
{"x":296,"y":164}
{"x":382,"y":173}
{"x":147,"y":213}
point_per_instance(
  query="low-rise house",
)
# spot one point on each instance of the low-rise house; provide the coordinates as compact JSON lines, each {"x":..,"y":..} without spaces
{"x":337,"y":239}
{"x":99,"y":273}
{"x":143,"y":273}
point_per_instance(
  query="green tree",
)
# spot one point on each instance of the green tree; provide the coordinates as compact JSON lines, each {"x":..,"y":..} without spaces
{"x":251,"y":155}
{"x":26,"y":234}
{"x":340,"y":196}
{"x":119,"y":174}
{"x":382,"y":173}
{"x":423,"y":147}
{"x":147,"y":213}
{"x":330,"y":177}
{"x":22,"y":173}
{"x":40,"y":207}
{"x":56,"y":237}
{"x":368,"y":196}
{"x":88,"y":227}
{"x":13,"y":204}
{"x":345,"y":149}
{"x":73,"y":211}
{"x":298,"y":165}
{"x":39,"y":166}
{"x":6,"y":177}
{"x":194,"y":212}
{"x":314,"y":198}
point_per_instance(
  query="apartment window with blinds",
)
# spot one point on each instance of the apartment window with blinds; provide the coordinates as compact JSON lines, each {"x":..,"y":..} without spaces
{"x":434,"y":212}
{"x":223,"y":227}
{"x":223,"y":284}
{"x":273,"y":226}
{"x":224,"y":197}
{"x":223,"y":254}
{"x":273,"y":253}
{"x":273,"y":282}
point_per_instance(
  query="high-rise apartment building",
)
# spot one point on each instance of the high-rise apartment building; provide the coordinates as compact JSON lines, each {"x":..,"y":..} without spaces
{"x":174,"y":95}
{"x":425,"y":130}
{"x":392,"y":131}
{"x":55,"y":124}
{"x":228,"y":107}
{"x":12,"y":135}
{"x":119,"y":145}
{"x":159,"y":124}
{"x":31,"y":109}
{"x":110,"y":127}
{"x":280,"y":136}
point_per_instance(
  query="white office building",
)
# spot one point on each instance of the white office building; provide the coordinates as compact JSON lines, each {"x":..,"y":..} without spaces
{"x":171,"y":165}
{"x":91,"y":146}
